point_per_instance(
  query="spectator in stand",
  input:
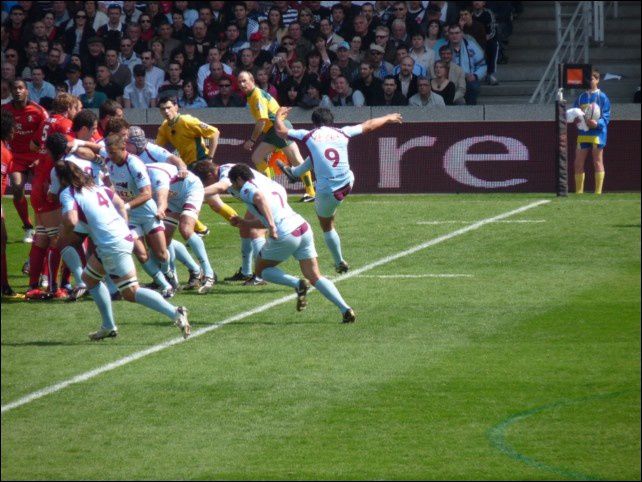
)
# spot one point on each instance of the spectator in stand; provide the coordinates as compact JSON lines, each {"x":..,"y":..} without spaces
{"x":158,"y":51}
{"x":317,"y":68}
{"x":16,"y":27}
{"x":289,"y":45}
{"x":246,"y":26}
{"x":369,"y":85}
{"x":424,"y":97}
{"x":399,"y":33}
{"x":191,"y":99}
{"x":139,"y":94}
{"x":127,"y":56}
{"x":391,"y":96}
{"x":91,"y":99}
{"x":11,"y":57}
{"x":349,"y":68}
{"x":345,"y":95}
{"x":76,"y":37}
{"x":33,"y":11}
{"x":448,"y":11}
{"x":169,"y":43}
{"x":288,"y":14}
{"x":74,"y":84}
{"x":402,"y":53}
{"x":351,"y":10}
{"x":417,"y":16}
{"x":255,"y":11}
{"x":105,"y":85}
{"x":302,"y":45}
{"x":38,"y":87}
{"x":113,"y":32}
{"x":211,"y":84}
{"x":406,"y":79}
{"x":275,"y":21}
{"x":267,"y":43}
{"x":441,"y":85}
{"x":153,"y":75}
{"x":334,"y":72}
{"x":64,"y":56}
{"x":95,"y":56}
{"x":361,"y":28}
{"x":487,"y":18}
{"x":51,"y":30}
{"x":280,"y":68}
{"x":173,"y":86}
{"x":130,"y":13}
{"x":340,"y":25}
{"x":179,"y":57}
{"x":400,"y":12}
{"x":472,"y":27}
{"x":152,"y":8}
{"x":313,"y":97}
{"x":180,"y":31}
{"x":331,"y":38}
{"x":5,"y":91}
{"x":133,"y":32}
{"x":504,"y":12}
{"x":381,"y":68}
{"x":433,"y":35}
{"x":470,"y":57}
{"x":189,"y":15}
{"x":455,"y":74}
{"x":234,"y":42}
{"x":356,"y":53}
{"x":225,"y":96}
{"x":120,"y":74}
{"x":61,"y":14}
{"x":213,"y":27}
{"x":33,"y":58}
{"x":423,"y":57}
{"x":245,"y":62}
{"x":263,"y":82}
{"x":95,"y":18}
{"x":382,"y":38}
{"x":292,"y":90}
{"x":213,"y":55}
{"x":260,"y":56}
{"x":54,"y":73}
{"x":306,"y":21}
{"x":146,"y":29}
{"x":192,"y":57}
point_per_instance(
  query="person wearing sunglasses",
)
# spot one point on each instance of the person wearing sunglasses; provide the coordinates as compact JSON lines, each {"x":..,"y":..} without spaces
{"x":76,"y":37}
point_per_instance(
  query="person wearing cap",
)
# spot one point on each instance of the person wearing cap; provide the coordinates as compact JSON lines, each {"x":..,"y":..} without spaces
{"x":261,"y":55}
{"x":72,"y":71}
{"x":95,"y":55}
{"x":139,"y":94}
{"x":380,"y":66}
{"x":349,"y":68}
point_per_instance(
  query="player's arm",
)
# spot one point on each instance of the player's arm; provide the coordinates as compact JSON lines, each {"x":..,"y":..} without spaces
{"x":374,"y":124}
{"x":256,"y":132}
{"x":162,"y":195}
{"x":161,"y":137}
{"x":212,"y":142}
{"x":143,"y":196}
{"x":279,"y":126}
{"x":119,"y":204}
{"x":264,"y":208}
{"x":69,"y":221}
{"x":180,"y":165}
{"x":218,"y":188}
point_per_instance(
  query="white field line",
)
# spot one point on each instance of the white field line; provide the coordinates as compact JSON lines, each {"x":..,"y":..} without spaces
{"x":396,"y":276}
{"x":507,"y":221}
{"x":259,"y":309}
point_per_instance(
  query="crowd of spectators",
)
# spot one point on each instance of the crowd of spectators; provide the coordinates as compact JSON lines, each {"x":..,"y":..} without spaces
{"x":304,"y":53}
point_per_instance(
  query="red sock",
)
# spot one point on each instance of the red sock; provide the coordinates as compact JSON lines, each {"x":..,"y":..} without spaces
{"x":45,"y":264}
{"x":36,"y":258}
{"x":23,"y":211}
{"x":54,"y":267}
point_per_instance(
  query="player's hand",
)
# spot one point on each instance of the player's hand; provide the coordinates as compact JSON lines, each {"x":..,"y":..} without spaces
{"x":283,"y":112}
{"x":395,"y":118}
{"x":160,"y":215}
{"x":591,"y":123}
{"x":272,"y":232}
{"x":248,"y":145}
{"x":235,"y":221}
{"x":182,"y":174}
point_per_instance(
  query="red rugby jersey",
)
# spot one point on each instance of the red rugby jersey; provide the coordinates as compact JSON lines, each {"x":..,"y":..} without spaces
{"x":28,"y":121}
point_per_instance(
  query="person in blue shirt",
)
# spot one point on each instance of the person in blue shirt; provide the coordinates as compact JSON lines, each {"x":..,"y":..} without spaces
{"x":39,"y":87}
{"x":594,"y":139}
{"x":471,"y":58}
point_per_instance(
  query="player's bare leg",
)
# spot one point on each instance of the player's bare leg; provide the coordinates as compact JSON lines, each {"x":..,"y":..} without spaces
{"x":580,"y":160}
{"x":18,"y":181}
{"x":598,"y":164}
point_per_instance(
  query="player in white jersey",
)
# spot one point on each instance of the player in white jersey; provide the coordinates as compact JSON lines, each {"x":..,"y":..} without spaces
{"x":216,"y":181}
{"x":180,"y":199}
{"x":105,"y":214}
{"x":329,"y":156}
{"x":288,"y":235}
{"x":130,"y":180}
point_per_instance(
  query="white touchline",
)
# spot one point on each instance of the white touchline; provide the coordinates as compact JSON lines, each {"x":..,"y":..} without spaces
{"x":428,"y":275}
{"x":508,"y":221}
{"x":259,"y":309}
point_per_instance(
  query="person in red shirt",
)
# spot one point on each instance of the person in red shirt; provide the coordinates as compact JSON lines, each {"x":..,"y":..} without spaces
{"x":108,"y":110}
{"x":29,"y":117}
{"x":8,"y":128}
{"x":48,"y":215}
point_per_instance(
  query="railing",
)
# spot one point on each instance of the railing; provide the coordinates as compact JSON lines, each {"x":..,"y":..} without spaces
{"x":572,"y":47}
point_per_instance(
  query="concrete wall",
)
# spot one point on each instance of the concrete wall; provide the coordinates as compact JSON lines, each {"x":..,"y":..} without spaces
{"x":526,"y":112}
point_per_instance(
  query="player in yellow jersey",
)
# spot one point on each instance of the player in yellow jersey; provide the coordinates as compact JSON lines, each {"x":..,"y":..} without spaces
{"x":263,"y":108}
{"x":194,"y":140}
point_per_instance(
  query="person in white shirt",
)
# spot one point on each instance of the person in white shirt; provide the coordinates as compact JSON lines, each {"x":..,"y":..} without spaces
{"x":421,"y":55}
{"x":127,"y":56}
{"x":153,"y":75}
{"x":73,"y":81}
{"x":425,"y":97}
{"x":139,"y":94}
{"x":213,"y":55}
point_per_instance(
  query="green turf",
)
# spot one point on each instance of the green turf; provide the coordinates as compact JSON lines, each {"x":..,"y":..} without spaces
{"x":527,"y":368}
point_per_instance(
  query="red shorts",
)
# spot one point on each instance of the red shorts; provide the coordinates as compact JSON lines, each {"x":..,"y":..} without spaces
{"x":39,"y":197}
{"x":22,"y":161}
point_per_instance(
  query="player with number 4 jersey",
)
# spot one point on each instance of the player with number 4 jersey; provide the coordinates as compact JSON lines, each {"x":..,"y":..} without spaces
{"x":328,"y":147}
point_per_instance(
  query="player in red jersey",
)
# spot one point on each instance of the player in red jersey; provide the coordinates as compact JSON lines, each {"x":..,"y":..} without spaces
{"x":108,"y":110}
{"x":8,"y":128}
{"x":48,"y":216}
{"x":29,"y":117}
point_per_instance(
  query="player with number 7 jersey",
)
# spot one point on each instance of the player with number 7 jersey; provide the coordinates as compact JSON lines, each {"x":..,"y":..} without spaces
{"x":328,"y":147}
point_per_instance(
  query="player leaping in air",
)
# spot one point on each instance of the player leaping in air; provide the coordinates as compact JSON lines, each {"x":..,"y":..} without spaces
{"x":329,"y":153}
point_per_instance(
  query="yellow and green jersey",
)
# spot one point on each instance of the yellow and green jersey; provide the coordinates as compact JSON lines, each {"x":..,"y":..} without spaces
{"x":262,"y":107}
{"x":186,"y":133}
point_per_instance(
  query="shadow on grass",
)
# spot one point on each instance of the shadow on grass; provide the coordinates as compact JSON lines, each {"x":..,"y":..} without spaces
{"x":627,"y":225}
{"x":44,"y":343}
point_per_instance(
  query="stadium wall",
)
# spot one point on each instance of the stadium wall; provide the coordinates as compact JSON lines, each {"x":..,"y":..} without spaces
{"x":457,"y":149}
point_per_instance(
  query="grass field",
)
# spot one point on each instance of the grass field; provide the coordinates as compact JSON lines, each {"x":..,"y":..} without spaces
{"x":500,"y":350}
